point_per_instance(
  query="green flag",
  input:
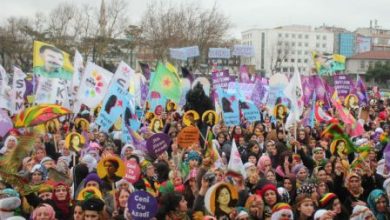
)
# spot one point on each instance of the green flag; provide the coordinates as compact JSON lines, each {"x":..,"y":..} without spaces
{"x":166,"y":82}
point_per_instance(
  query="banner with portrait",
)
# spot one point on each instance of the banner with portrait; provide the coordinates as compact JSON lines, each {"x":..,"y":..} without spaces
{"x":230,"y":107}
{"x":51,"y":62}
{"x":112,"y":107}
{"x":130,"y":119}
{"x":249,"y":110}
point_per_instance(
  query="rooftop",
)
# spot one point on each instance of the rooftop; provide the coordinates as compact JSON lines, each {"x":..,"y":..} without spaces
{"x":372,"y":55}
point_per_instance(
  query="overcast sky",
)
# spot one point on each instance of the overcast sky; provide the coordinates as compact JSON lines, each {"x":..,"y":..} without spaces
{"x":247,"y":14}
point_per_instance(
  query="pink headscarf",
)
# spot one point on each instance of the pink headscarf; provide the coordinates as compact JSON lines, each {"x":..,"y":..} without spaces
{"x":261,"y":162}
{"x":46,"y":208}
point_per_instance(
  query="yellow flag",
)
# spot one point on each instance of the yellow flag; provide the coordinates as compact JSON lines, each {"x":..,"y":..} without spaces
{"x":51,"y":62}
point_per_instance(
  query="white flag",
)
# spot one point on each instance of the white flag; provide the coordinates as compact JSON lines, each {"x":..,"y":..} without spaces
{"x":124,"y":74}
{"x":78,"y":67}
{"x":52,"y":91}
{"x":93,"y":86}
{"x":293,"y":91}
{"x":5,"y":90}
{"x":3,"y":79}
{"x":18,"y":90}
{"x":235,"y":163}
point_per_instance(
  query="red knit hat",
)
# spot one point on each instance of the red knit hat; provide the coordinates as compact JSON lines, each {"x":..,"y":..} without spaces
{"x":265,"y":188}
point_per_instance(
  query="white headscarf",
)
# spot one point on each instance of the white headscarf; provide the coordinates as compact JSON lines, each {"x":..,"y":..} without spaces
{"x":360,"y":213}
{"x":90,"y":161}
{"x":5,"y":147}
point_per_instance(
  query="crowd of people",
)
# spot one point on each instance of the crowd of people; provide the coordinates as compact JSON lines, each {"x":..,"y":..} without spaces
{"x":289,"y":174}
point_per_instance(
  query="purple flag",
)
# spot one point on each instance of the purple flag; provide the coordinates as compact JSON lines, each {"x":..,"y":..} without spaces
{"x":145,"y":70}
{"x":361,"y":92}
{"x":260,"y":92}
{"x":244,"y":75}
{"x":220,"y":79}
{"x":5,"y":123}
{"x":315,"y":83}
{"x":342,"y":84}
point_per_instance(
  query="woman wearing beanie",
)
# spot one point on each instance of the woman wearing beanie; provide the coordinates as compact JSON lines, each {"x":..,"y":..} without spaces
{"x":270,"y":197}
{"x":304,"y":207}
{"x":378,"y":203}
{"x":331,"y":202}
{"x":282,"y":211}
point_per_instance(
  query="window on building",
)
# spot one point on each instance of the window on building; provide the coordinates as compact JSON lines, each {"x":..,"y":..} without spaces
{"x":317,"y":45}
{"x":305,"y":61}
{"x":293,"y":44}
{"x":280,"y":43}
{"x":318,"y":37}
{"x":323,"y":45}
{"x":284,"y":69}
{"x":286,"y":35}
{"x":285,"y":60}
{"x":306,"y":52}
{"x":293,"y":35}
{"x":306,"y":36}
{"x":292,"y":51}
{"x":299,"y":36}
{"x":279,"y":35}
{"x":306,"y":44}
{"x":286,"y":44}
{"x":299,"y":60}
{"x":292,"y":60}
{"x":299,"y":52}
{"x":362,"y":64}
{"x":299,"y":44}
{"x":324,"y":37}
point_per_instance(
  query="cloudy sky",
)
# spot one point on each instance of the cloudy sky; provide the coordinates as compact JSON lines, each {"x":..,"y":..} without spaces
{"x":247,"y":14}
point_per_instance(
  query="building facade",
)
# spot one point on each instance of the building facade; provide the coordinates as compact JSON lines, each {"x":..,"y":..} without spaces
{"x":283,"y":48}
{"x":359,"y":63}
{"x":346,"y":44}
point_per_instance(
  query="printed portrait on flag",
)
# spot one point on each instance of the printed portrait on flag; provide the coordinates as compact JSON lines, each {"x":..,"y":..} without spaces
{"x":74,"y":141}
{"x":81,"y":124}
{"x":210,"y":118}
{"x":171,"y":106}
{"x":351,"y":101}
{"x":51,"y":62}
{"x":52,"y":126}
{"x":156,"y":125}
{"x":281,"y":112}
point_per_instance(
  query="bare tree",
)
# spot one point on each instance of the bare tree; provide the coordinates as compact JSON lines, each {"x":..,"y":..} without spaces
{"x":279,"y":53}
{"x":166,"y":25}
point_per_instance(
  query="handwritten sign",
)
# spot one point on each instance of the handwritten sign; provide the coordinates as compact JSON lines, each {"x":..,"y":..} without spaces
{"x":188,"y":136}
{"x":142,"y":205}
{"x":221,"y":53}
{"x":243,"y":50}
{"x":133,"y":171}
{"x":158,"y":144}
